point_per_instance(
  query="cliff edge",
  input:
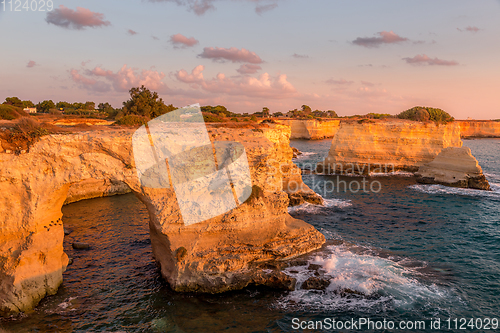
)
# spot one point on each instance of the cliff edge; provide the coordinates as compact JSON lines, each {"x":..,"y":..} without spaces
{"x":387,"y":146}
{"x":219,"y":254}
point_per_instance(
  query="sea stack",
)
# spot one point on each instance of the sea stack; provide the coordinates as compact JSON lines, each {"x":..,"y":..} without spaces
{"x":454,"y":167}
{"x":377,"y":146}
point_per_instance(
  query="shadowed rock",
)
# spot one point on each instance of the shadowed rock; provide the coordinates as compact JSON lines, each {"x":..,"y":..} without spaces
{"x":454,"y":167}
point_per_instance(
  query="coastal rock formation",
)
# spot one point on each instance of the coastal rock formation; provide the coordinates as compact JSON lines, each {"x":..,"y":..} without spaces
{"x":95,"y":188}
{"x":216,"y":255}
{"x":387,"y":146}
{"x":454,"y":167}
{"x":312,"y":129}
{"x":479,"y":128}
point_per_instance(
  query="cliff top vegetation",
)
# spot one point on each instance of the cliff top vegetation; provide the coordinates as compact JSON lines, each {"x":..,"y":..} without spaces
{"x":421,"y":113}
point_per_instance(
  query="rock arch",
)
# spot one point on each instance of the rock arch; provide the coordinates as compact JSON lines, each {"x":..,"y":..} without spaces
{"x":213,"y":256}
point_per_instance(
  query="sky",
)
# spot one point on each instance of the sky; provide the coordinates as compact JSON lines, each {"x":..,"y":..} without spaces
{"x":352,"y":56}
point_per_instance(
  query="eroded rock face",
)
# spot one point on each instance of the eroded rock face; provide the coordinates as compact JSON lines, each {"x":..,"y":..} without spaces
{"x":312,"y":129}
{"x":454,"y":167}
{"x":479,"y":129}
{"x":387,"y":146}
{"x":212,"y":256}
{"x":95,"y":188}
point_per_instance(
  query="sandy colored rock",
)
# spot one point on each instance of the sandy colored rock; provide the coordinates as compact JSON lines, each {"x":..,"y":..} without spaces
{"x":95,"y":188}
{"x":387,"y":146}
{"x":479,"y":128}
{"x":312,"y":129}
{"x":454,"y":167}
{"x":213,"y":256}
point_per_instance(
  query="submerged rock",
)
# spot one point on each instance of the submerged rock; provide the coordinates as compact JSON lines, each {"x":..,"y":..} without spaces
{"x":315,"y":283}
{"x":296,"y":152}
{"x":80,"y":246}
{"x":454,"y":167}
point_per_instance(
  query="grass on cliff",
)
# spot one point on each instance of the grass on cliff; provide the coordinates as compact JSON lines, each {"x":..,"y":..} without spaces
{"x":25,"y":132}
{"x":420,"y":113}
{"x":9,"y":112}
{"x":131,"y":120}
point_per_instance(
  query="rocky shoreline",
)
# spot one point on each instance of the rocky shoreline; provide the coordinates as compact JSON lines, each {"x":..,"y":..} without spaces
{"x":227,"y":252}
{"x":216,"y":255}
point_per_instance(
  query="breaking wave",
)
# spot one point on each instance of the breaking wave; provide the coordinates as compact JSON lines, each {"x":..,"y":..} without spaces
{"x":319,"y":209}
{"x":358,"y":279}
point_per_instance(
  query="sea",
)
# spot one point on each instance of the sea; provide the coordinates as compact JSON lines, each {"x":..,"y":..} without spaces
{"x":399,"y":257}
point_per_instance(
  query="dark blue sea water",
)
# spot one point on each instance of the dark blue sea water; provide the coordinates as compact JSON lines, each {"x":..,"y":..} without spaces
{"x":407,"y":253}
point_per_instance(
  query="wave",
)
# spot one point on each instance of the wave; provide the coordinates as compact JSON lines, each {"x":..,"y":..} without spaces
{"x":441,"y":189}
{"x":492,"y":178}
{"x":359,"y":280}
{"x":305,"y":154}
{"x":310,"y":208}
{"x":395,"y":173}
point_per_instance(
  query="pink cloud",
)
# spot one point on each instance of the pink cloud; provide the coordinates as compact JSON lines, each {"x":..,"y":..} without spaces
{"x":386,"y":37}
{"x":79,"y":19}
{"x":31,"y":63}
{"x":259,"y":9}
{"x":264,"y":86}
{"x":180,"y":40}
{"x":339,"y":82}
{"x":470,"y":29}
{"x":196,"y":75}
{"x":121,"y":81}
{"x":131,"y":32}
{"x":232,"y":54}
{"x":367,"y":84}
{"x":89,"y":84}
{"x":248,"y":69}
{"x":423,"y":59}
{"x":200,"y":7}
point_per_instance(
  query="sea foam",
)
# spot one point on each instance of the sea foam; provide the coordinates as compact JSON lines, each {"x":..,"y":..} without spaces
{"x":358,"y":280}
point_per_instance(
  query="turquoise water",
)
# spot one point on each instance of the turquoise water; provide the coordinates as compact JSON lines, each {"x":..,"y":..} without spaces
{"x":410,"y":252}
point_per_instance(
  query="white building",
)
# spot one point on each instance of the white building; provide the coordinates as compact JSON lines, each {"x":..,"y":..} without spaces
{"x":30,"y":110}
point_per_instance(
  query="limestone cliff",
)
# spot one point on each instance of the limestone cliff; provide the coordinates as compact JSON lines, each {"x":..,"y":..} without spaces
{"x":312,"y":129}
{"x":479,"y":128}
{"x":386,"y":146}
{"x":213,"y":256}
{"x":454,"y":167}
{"x":95,"y":188}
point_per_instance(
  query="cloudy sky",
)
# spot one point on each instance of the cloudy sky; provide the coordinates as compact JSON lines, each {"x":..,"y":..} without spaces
{"x":351,"y":56}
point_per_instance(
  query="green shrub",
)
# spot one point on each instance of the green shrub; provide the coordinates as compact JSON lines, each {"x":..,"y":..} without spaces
{"x":9,"y":112}
{"x":27,"y":130}
{"x":379,"y":115}
{"x":131,"y":120}
{"x":420,"y":113}
{"x":212,"y":118}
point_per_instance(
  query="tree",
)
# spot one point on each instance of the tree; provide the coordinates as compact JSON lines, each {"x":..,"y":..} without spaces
{"x":278,"y":114}
{"x":107,"y":108}
{"x":14,"y":101}
{"x":45,"y":106}
{"x":63,"y":105}
{"x":90,"y":106}
{"x":78,"y":106}
{"x":332,"y":114}
{"x":419,"y":113}
{"x":265,"y":111}
{"x":28,"y":104}
{"x":306,"y":110}
{"x":143,"y":102}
